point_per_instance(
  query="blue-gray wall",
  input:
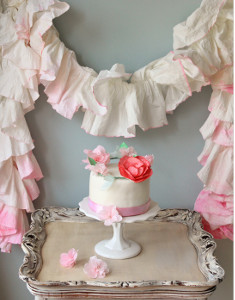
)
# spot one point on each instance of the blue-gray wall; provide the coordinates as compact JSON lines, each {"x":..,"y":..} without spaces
{"x":104,"y":32}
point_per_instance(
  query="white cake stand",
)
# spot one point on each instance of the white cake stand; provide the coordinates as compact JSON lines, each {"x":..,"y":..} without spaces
{"x":118,"y":247}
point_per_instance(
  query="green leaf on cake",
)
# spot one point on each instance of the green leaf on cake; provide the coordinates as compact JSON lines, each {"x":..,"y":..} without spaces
{"x":123,"y":145}
{"x":92,"y":161}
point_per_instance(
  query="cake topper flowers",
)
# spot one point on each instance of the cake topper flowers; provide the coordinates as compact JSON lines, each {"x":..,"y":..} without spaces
{"x":97,"y":160}
{"x":131,"y":166}
{"x":136,"y":168}
{"x":109,"y":214}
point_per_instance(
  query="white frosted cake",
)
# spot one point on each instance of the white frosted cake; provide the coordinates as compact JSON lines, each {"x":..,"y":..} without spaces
{"x":124,"y":185}
{"x":130,"y":198}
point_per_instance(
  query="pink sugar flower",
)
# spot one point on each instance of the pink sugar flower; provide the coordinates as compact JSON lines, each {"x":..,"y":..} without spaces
{"x":136,"y":168}
{"x":150,"y":158}
{"x":110,"y":215}
{"x":130,"y":151}
{"x":99,"y":154}
{"x":96,"y":268}
{"x":98,"y":168}
{"x":68,"y":260}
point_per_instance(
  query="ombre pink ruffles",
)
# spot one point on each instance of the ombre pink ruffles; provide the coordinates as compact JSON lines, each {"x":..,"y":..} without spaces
{"x":217,"y":209}
{"x":216,"y":203}
{"x":23,"y":25}
{"x":32,"y":53}
{"x":209,"y":49}
{"x":13,"y":225}
{"x":208,"y":45}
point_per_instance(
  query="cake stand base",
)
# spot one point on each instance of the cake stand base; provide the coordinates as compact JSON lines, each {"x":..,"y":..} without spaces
{"x":117,"y":247}
{"x":102,"y":250}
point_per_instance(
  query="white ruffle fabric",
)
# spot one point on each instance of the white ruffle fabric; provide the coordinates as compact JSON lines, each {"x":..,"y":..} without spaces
{"x":217,"y":171}
{"x":67,"y":84}
{"x":126,"y":103}
{"x":176,"y":76}
{"x":114,"y":102}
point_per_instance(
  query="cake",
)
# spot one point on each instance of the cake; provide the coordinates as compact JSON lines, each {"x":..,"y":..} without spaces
{"x":124,"y":185}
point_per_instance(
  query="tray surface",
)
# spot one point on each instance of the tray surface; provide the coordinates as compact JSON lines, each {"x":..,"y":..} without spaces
{"x":176,"y":252}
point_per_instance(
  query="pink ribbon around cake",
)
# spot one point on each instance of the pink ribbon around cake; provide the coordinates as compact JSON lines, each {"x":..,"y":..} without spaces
{"x":123,"y":211}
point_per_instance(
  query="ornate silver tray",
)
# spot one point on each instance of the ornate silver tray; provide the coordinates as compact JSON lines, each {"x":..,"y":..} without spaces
{"x":203,"y":242}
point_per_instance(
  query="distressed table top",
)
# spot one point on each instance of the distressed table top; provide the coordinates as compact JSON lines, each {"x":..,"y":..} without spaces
{"x":176,"y":258}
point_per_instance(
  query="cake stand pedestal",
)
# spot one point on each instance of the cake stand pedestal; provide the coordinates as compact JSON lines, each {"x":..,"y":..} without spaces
{"x":118,"y":247}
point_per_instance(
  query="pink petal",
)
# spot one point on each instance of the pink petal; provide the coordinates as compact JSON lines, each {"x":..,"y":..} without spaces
{"x":99,"y":150}
{"x":127,"y":151}
{"x":96,"y":268}
{"x":110,"y":215}
{"x":150,"y":158}
{"x":68,"y":260}
{"x":99,"y":154}
{"x":99,"y":168}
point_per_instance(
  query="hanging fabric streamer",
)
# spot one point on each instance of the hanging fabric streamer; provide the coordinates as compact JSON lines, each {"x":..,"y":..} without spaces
{"x":114,"y":101}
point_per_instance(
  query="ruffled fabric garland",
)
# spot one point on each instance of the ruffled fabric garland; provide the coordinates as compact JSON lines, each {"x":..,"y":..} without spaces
{"x":215,"y":202}
{"x":22,"y":24}
{"x":213,"y":53}
{"x":114,"y":102}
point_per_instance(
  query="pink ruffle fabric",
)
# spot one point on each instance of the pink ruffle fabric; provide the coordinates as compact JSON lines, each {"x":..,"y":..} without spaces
{"x":13,"y":225}
{"x":22,"y":26}
{"x":217,"y":171}
{"x":209,"y":46}
{"x":17,"y":191}
{"x":32,"y":53}
{"x":221,"y":132}
{"x":217,"y":209}
{"x":221,"y":232}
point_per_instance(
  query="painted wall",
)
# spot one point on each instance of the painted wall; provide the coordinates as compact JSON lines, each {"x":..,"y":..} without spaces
{"x":134,"y":33}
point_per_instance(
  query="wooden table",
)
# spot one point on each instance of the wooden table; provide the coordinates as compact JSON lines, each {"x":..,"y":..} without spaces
{"x":176,"y":261}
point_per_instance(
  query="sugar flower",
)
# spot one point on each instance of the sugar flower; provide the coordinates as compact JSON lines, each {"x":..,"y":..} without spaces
{"x":97,"y":160}
{"x":130,"y":151}
{"x":96,"y":268}
{"x":109,"y":214}
{"x":68,"y":260}
{"x":99,"y":154}
{"x":150,"y":158}
{"x":136,"y":168}
{"x":97,"y":169}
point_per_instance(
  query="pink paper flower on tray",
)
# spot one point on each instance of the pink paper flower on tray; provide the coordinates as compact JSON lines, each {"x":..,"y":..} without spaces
{"x":96,"y":268}
{"x":99,"y":154}
{"x":68,"y":260}
{"x":109,"y":214}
